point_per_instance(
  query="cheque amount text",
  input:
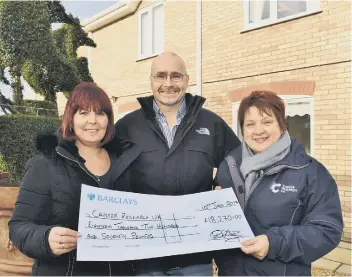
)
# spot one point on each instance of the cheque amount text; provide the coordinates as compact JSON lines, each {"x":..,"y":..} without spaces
{"x":221,"y":218}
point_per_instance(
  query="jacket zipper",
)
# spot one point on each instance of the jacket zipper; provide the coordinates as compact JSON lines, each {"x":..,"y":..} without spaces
{"x":69,"y":256}
{"x":183,"y":124}
{"x":69,"y":264}
{"x":293,"y":216}
{"x":79,"y":166}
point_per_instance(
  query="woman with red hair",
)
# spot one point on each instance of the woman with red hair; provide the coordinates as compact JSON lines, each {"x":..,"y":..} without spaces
{"x":84,"y":151}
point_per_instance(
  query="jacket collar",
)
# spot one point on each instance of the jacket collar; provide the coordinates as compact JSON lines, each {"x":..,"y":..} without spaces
{"x":297,"y":156}
{"x":180,"y":114}
{"x":193,"y":105}
{"x":52,"y":143}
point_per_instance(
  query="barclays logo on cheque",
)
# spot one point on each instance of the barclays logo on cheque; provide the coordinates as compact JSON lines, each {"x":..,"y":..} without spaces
{"x":110,"y":199}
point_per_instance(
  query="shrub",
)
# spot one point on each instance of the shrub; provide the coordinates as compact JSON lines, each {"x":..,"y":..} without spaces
{"x":17,"y":140}
{"x":46,"y":108}
{"x":2,"y":165}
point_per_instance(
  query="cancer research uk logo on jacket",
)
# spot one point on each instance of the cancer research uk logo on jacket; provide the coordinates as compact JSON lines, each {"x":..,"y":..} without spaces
{"x":110,"y":199}
{"x":276,"y":187}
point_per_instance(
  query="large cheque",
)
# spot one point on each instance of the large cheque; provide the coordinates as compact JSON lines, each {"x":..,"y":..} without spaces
{"x":118,"y":226}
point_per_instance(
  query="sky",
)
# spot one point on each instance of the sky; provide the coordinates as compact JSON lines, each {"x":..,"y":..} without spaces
{"x":81,"y":9}
{"x":86,"y":9}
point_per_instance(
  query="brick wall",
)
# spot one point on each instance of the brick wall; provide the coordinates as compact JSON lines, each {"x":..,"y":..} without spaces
{"x":314,"y":48}
{"x":227,"y":53}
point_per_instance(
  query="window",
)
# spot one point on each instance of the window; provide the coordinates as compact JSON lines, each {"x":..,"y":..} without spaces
{"x":299,"y":119}
{"x":258,"y":13}
{"x":151,"y":31}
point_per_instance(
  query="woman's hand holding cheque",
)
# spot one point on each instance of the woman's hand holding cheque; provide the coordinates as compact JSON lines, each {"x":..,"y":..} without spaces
{"x":62,"y":240}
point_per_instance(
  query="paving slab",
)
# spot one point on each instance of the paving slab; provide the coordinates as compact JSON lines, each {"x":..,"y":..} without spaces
{"x":345,"y":269}
{"x":324,"y":263}
{"x":347,"y":245}
{"x":339,"y":254}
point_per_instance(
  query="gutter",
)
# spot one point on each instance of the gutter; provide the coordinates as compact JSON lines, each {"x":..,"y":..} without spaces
{"x":110,"y":15}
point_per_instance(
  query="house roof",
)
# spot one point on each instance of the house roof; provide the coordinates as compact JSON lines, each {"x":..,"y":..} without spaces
{"x":116,"y":12}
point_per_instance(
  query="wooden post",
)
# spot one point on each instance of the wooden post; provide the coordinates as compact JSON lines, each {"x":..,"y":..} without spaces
{"x":12,"y":261}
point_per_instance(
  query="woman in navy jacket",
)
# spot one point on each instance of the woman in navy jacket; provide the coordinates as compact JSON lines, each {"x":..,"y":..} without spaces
{"x":289,"y":199}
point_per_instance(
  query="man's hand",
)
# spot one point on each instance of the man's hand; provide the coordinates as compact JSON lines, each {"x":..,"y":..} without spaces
{"x":258,"y":246}
{"x":62,"y":240}
{"x":217,"y":188}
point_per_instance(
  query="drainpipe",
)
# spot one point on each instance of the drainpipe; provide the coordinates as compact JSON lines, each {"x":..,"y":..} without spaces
{"x":89,"y":58}
{"x":199,"y":46}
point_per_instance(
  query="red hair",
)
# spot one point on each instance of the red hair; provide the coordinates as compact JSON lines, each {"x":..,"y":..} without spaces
{"x":87,"y":96}
{"x":266,"y":102}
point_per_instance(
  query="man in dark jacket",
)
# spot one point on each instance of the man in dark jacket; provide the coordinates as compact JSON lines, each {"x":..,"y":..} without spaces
{"x":181,"y":144}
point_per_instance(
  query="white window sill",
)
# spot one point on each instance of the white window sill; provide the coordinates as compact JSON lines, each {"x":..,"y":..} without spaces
{"x":269,"y":22}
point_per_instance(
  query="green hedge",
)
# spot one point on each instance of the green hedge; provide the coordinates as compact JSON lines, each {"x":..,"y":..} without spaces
{"x":47,"y":108}
{"x":18,"y":140}
{"x":3,"y":167}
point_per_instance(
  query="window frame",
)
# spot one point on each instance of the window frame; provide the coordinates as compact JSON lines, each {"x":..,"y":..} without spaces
{"x":313,"y":6}
{"x":149,"y":11}
{"x":287,"y":99}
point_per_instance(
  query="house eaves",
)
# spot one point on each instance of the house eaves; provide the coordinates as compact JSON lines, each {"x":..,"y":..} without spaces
{"x":110,"y":15}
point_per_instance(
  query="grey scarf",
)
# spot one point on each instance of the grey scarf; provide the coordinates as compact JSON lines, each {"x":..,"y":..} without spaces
{"x":253,"y":164}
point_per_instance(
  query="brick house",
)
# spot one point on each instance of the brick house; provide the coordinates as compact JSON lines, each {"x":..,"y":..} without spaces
{"x":298,"y":49}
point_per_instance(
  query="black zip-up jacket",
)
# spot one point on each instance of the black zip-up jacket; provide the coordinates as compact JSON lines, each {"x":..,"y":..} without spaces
{"x":201,"y":142}
{"x":50,"y":196}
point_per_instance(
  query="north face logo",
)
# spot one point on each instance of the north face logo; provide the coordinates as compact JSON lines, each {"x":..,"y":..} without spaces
{"x":203,"y":131}
{"x":275,"y":188}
